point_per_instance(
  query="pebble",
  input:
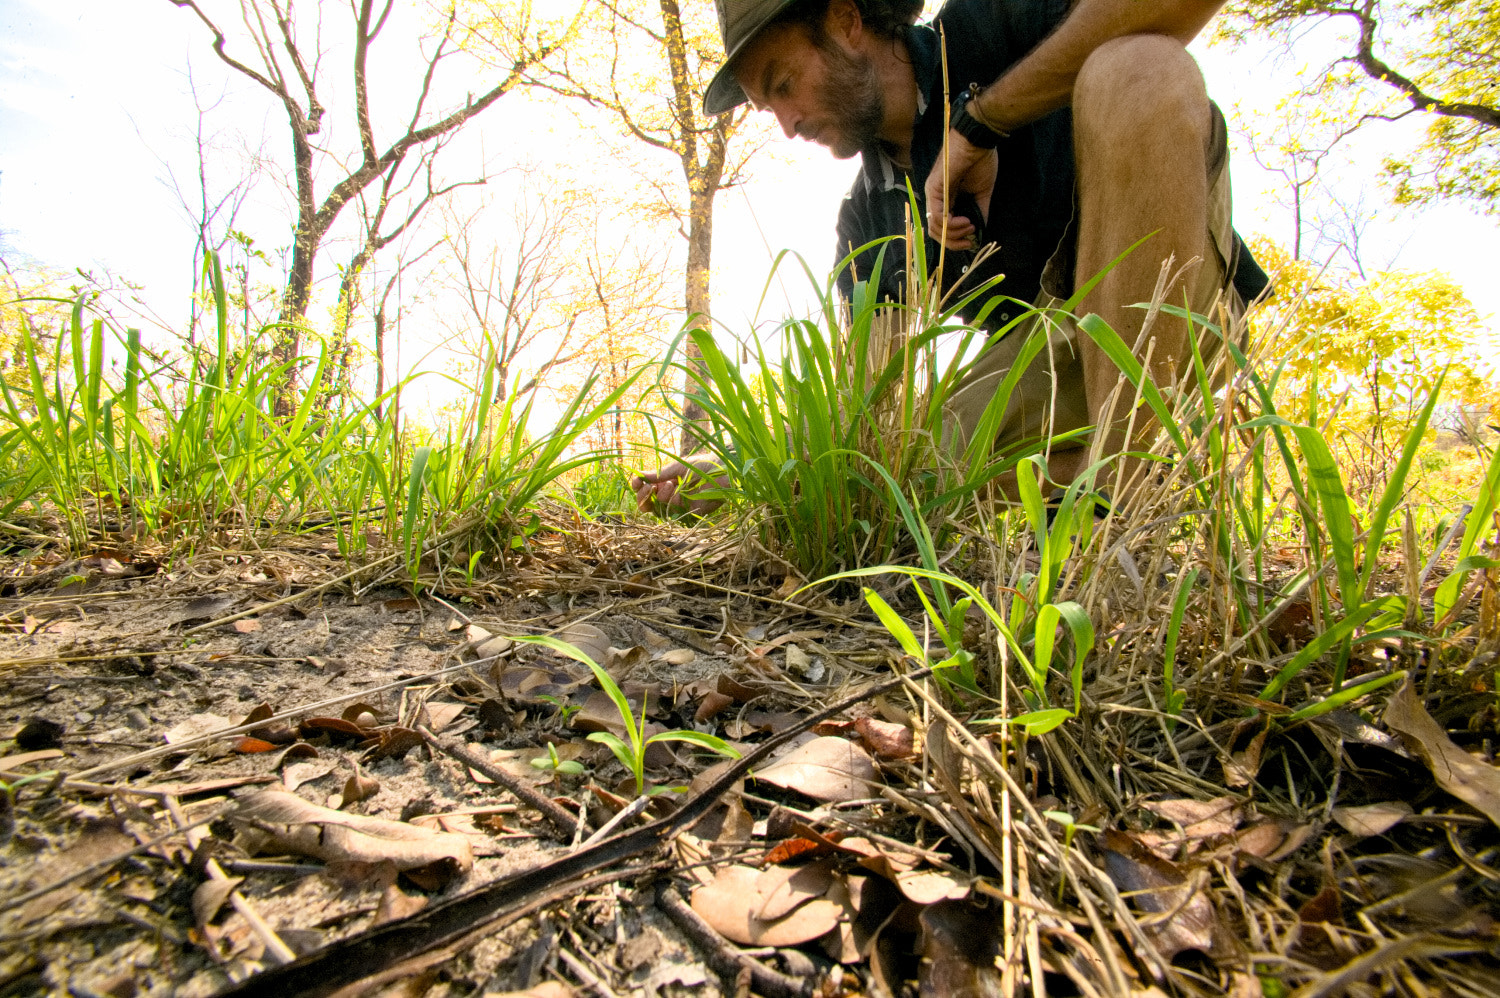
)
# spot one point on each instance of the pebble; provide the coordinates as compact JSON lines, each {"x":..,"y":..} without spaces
{"x":134,"y":718}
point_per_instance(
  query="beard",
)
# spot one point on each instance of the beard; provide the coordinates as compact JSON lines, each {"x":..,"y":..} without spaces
{"x":851,"y":98}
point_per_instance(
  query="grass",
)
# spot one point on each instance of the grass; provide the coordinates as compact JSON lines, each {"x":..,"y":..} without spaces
{"x":1078,"y":644}
{"x":164,"y":451}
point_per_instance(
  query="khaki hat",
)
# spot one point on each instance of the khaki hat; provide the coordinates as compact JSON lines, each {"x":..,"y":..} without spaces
{"x":739,"y":22}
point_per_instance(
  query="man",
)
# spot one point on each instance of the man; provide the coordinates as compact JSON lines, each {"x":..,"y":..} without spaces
{"x":1077,"y":130}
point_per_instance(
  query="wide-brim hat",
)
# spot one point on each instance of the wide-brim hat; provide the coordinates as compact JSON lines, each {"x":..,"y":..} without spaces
{"x":739,"y":22}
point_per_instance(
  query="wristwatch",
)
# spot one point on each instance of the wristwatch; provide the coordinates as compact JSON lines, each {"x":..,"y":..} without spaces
{"x":965,"y":123}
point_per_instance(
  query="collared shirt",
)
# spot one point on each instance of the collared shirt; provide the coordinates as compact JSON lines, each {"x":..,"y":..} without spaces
{"x":1032,"y":204}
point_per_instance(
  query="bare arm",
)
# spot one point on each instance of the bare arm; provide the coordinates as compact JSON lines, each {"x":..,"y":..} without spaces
{"x":1042,"y":82}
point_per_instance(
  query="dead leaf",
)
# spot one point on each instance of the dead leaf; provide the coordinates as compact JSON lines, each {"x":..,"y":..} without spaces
{"x":679,"y":656}
{"x":248,"y":625}
{"x":288,"y":822}
{"x":13,"y":762}
{"x":440,"y":715}
{"x":886,"y":740}
{"x":730,"y":902}
{"x":959,"y":946}
{"x":587,"y":638}
{"x":1372,"y":819}
{"x":298,"y":773}
{"x":395,"y":741}
{"x":252,"y":746}
{"x":1272,"y":840}
{"x":396,"y":904}
{"x":406,"y":605}
{"x":785,"y":888}
{"x":359,"y":787}
{"x":826,"y":769}
{"x":711,"y":705}
{"x":1159,"y":887}
{"x":622,"y":662}
{"x":1241,"y":768}
{"x":932,"y":886}
{"x":1474,"y":782}
{"x":210,"y":896}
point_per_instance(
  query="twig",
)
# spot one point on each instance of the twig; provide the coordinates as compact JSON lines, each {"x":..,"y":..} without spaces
{"x":278,"y":950}
{"x":554,"y":812}
{"x":724,"y":958}
{"x":584,"y":974}
{"x":188,"y":743}
{"x":627,"y":812}
{"x":370,"y":953}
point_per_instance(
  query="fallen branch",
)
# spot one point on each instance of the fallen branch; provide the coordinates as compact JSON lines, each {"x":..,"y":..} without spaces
{"x":723,"y":956}
{"x":524,"y":792}
{"x":320,"y":974}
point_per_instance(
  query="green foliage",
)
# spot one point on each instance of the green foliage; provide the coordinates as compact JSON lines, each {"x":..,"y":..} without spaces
{"x":841,"y":436}
{"x":1400,"y":57}
{"x":631,"y":750}
{"x":187,"y":456}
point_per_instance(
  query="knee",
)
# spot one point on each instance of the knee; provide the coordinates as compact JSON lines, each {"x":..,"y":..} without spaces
{"x":1140,"y":82}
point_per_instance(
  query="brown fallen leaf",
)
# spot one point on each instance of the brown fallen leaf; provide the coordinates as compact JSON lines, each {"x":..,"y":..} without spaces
{"x":396,"y":904}
{"x":1158,"y":887}
{"x":932,"y":886}
{"x":1372,"y":819}
{"x":958,"y":947}
{"x":1474,"y":782}
{"x":886,"y":740}
{"x":246,"y":626}
{"x":359,"y":787}
{"x":13,"y":762}
{"x":210,"y":896}
{"x":711,"y":705}
{"x":287,"y":822}
{"x":729,"y":904}
{"x":587,"y":638}
{"x":678,"y":656}
{"x":785,"y":888}
{"x":826,"y":769}
{"x":441,"y":715}
{"x":1241,"y":768}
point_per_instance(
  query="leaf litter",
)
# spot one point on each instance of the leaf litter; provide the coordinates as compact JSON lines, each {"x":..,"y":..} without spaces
{"x":879,"y":855}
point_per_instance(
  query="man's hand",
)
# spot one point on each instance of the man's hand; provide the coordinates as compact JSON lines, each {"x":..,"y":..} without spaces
{"x":671,"y":488}
{"x":971,"y":170}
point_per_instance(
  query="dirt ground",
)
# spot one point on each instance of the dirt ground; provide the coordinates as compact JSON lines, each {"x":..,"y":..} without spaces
{"x":148,"y":852}
{"x":116,"y":658}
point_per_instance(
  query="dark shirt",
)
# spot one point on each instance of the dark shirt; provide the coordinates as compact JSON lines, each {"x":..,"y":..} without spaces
{"x":1032,"y":204}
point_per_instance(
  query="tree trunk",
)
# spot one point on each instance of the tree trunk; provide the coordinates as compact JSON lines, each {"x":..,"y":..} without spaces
{"x":699,"y":312}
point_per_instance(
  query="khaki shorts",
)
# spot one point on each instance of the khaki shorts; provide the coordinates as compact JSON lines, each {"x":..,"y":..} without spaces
{"x":1049,"y":398}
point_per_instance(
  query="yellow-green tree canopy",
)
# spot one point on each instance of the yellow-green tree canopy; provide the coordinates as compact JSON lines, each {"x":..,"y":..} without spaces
{"x":1379,"y":345}
{"x":1438,"y":57}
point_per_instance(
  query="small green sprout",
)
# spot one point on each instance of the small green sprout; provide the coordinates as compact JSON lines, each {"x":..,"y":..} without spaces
{"x":631,"y":750}
{"x":551,"y":761}
{"x":1070,"y":828}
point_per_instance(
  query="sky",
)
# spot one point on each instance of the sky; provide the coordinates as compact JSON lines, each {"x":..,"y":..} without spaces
{"x":95,"y":104}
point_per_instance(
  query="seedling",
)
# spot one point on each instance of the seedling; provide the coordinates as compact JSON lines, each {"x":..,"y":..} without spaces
{"x":551,"y":761}
{"x":1070,"y":828}
{"x":631,"y":750}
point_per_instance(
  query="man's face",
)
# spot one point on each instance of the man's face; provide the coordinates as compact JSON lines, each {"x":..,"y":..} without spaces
{"x":828,"y":93}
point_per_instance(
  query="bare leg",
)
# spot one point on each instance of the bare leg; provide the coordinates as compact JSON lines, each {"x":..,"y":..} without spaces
{"x":1141,"y":122}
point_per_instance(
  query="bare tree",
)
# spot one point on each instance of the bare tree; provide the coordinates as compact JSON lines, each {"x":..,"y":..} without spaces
{"x":288,"y":69}
{"x":211,"y":206}
{"x":518,"y":293}
{"x":647,"y":65}
{"x":380,"y":227}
